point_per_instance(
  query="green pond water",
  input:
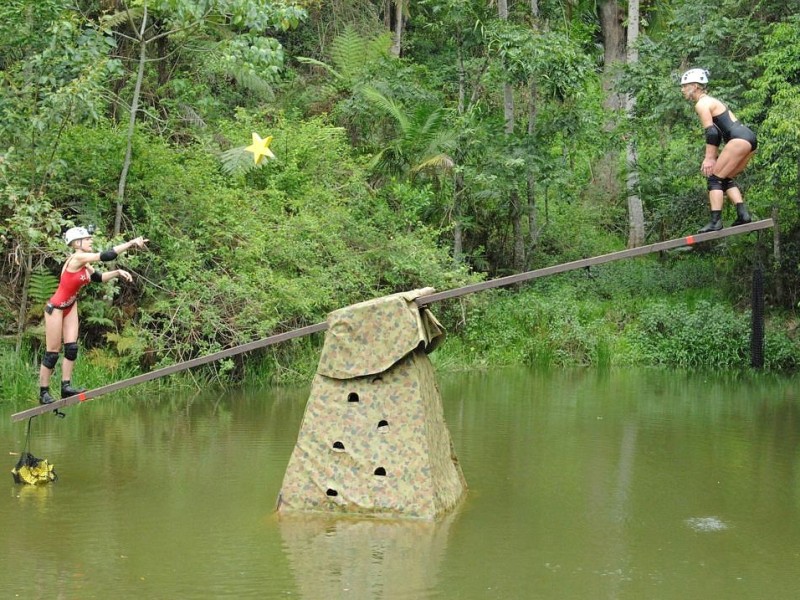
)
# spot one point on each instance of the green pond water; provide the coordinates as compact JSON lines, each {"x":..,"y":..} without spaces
{"x":582,"y":484}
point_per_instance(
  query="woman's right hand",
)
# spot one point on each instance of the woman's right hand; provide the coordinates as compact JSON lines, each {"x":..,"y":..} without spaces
{"x":139,"y":242}
{"x":124,"y":275}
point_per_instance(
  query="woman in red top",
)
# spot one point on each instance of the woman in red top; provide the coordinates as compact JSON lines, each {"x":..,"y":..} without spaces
{"x":60,"y":316}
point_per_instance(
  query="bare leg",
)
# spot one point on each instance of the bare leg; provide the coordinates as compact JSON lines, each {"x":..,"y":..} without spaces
{"x":70,"y":329}
{"x":715,"y":199}
{"x":52,"y":336}
{"x":732,"y":161}
{"x":733,"y":158}
{"x":734,"y":195}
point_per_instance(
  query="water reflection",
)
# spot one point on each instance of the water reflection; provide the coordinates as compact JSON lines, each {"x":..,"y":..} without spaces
{"x":349,"y":557}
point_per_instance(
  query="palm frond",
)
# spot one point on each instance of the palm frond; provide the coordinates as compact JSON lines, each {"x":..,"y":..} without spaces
{"x":318,"y":63}
{"x":387,"y":105}
{"x":438,"y":163}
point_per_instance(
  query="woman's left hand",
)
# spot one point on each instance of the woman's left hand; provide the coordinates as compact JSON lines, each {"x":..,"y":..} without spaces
{"x":124,"y":275}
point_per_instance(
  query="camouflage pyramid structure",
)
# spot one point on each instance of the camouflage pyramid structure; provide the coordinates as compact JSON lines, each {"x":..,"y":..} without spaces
{"x":373,"y":439}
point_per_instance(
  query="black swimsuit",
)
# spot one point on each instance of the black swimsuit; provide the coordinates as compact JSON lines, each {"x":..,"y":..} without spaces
{"x":734,"y":130}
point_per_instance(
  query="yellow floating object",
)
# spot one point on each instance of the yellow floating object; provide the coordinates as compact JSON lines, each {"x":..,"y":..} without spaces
{"x":33,"y":471}
{"x":260,"y":148}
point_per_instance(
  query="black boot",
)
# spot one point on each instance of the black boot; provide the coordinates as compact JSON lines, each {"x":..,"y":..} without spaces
{"x":67,"y":390}
{"x":742,"y":216}
{"x":715,"y":224}
{"x":44,"y":396}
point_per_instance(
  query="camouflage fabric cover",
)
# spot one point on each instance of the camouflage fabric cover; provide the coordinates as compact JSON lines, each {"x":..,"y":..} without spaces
{"x":370,"y":337}
{"x":372,"y":442}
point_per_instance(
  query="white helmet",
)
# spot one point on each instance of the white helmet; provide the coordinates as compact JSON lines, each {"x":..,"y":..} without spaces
{"x":695,"y":76}
{"x":76,"y":233}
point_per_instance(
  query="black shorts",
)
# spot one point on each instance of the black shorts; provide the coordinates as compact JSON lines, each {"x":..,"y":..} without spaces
{"x":742,"y":132}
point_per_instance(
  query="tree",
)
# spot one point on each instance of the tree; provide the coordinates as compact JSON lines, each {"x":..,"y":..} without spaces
{"x":47,"y":84}
{"x":636,"y":234}
{"x":250,"y":56}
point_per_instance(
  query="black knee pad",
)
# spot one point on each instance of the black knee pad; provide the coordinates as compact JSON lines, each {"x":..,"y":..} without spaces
{"x":714,"y":183}
{"x":727,"y":184}
{"x":71,"y":350}
{"x":50,"y":359}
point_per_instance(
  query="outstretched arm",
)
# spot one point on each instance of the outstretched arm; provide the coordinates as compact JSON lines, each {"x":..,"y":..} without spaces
{"x":82,"y":258}
{"x":116,"y":273}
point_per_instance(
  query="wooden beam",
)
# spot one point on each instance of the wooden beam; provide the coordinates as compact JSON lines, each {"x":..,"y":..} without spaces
{"x":176,"y":368}
{"x":597,"y":260}
{"x":421,"y":301}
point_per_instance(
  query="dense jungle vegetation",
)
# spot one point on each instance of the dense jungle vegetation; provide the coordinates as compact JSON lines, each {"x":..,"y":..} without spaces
{"x":417,"y":143}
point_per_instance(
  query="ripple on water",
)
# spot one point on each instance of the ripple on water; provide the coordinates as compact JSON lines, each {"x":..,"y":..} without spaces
{"x":706,"y":524}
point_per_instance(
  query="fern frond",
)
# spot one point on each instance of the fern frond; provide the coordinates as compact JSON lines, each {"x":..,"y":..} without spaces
{"x":237,"y":161}
{"x":42,"y":286}
{"x":348,"y":53}
{"x":352,"y":53}
{"x":190,"y":115}
{"x":99,"y":320}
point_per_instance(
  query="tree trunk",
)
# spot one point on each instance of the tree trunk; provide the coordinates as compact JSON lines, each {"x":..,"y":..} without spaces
{"x":515,"y":209}
{"x":126,"y":163}
{"x":508,"y":91}
{"x":23,"y":303}
{"x":530,"y":188}
{"x":611,"y":17}
{"x":458,"y":179}
{"x":458,"y":232}
{"x":397,"y":38}
{"x":533,"y":217}
{"x":635,"y":208}
{"x":607,"y":171}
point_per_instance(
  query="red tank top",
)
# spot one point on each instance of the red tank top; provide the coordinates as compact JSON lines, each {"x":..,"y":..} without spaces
{"x":68,"y":288}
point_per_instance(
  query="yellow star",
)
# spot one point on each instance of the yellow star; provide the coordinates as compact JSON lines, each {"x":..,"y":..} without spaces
{"x":260,"y":148}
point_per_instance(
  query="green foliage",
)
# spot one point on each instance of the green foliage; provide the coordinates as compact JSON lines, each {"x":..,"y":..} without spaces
{"x":671,"y":321}
{"x":17,"y":381}
{"x":708,"y":334}
{"x":422,"y":140}
{"x":42,"y":286}
{"x":353,"y":56}
{"x":254,"y":62}
{"x":378,"y":159}
{"x":236,"y":259}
